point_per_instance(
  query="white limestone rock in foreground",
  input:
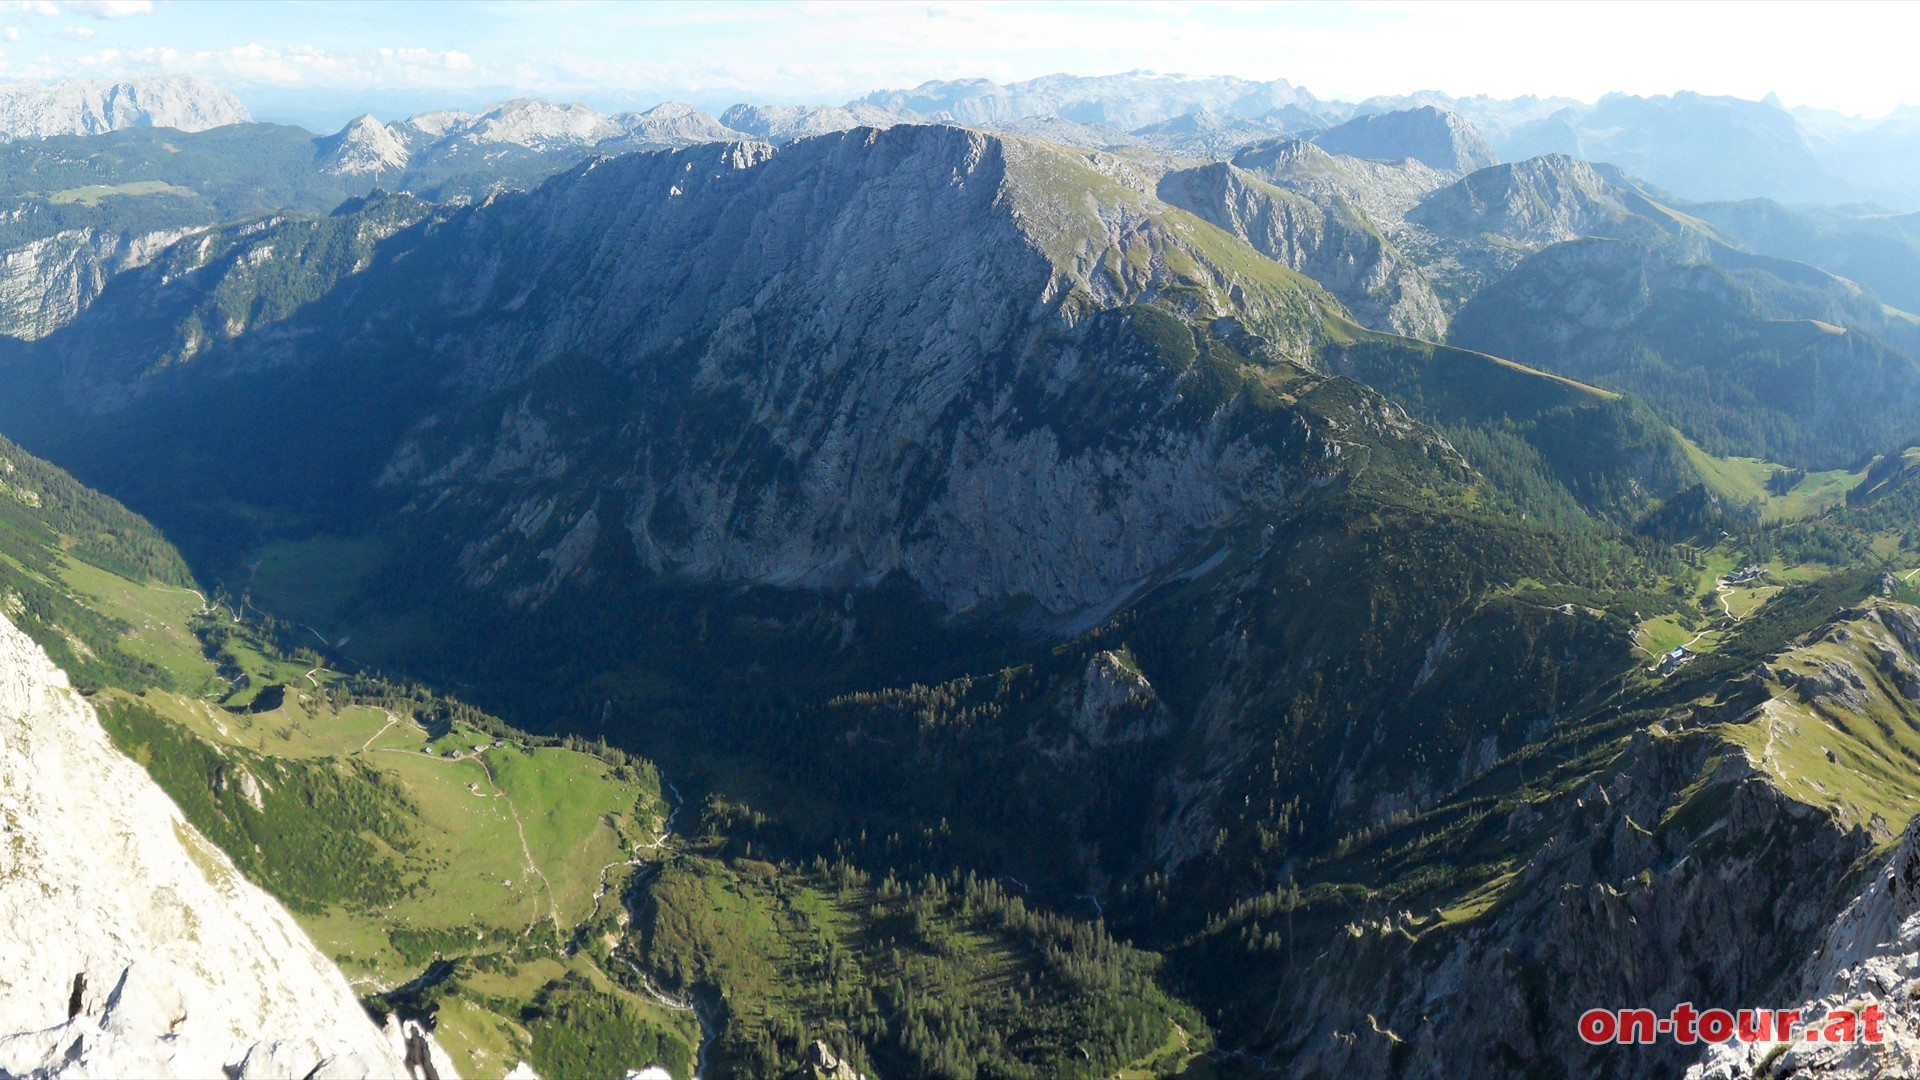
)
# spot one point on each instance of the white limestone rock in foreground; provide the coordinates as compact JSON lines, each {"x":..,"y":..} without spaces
{"x":190,"y":970}
{"x":1871,"y":956}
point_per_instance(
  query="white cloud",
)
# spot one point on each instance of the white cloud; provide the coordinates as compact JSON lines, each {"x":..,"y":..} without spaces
{"x":76,"y":33}
{"x":292,"y":66}
{"x":109,"y":9}
{"x":92,"y":9}
{"x":9,"y":33}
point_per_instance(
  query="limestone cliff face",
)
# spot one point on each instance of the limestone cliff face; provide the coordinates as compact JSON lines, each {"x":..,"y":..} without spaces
{"x":917,"y":351}
{"x":46,"y":283}
{"x":39,"y":110}
{"x":906,"y":351}
{"x":1385,"y":192}
{"x":1332,"y":242}
{"x":879,"y":352}
{"x":1608,"y":910}
{"x":180,"y":294}
{"x":134,"y":947}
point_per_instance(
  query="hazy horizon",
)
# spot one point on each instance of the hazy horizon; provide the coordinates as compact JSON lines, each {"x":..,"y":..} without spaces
{"x":321,"y":64}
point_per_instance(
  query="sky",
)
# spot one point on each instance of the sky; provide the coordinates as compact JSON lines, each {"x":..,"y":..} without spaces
{"x":320,"y":63}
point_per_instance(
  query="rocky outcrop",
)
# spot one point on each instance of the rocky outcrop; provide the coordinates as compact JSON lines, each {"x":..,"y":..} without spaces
{"x":1869,"y":957}
{"x":822,"y":1063}
{"x":46,"y":283}
{"x":137,"y":948}
{"x":1536,"y":202}
{"x":1383,"y":191}
{"x":786,"y":123}
{"x":1715,"y":856}
{"x":1330,"y":241}
{"x":1834,"y":683}
{"x":1116,"y":703}
{"x":1616,"y":906}
{"x":1435,"y":137}
{"x":39,"y":110}
{"x":363,"y":147}
{"x":673,"y":124}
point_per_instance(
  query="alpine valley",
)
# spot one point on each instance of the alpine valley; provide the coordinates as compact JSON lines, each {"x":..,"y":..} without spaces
{"x":1119,"y":577}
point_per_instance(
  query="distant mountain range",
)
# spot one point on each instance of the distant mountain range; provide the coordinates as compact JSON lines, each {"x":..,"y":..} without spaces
{"x":1692,"y":145}
{"x":37,"y":110}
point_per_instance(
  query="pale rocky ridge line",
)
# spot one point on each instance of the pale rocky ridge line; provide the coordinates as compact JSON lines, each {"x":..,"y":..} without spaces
{"x":1328,"y":240}
{"x":41,"y":110}
{"x":784,"y":124}
{"x":365,"y":145}
{"x":189,"y":970}
{"x":1435,"y":137}
{"x":1127,"y":101}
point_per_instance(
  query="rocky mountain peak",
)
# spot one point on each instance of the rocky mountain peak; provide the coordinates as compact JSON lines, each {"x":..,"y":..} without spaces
{"x":364,"y":146}
{"x":40,"y":110}
{"x":674,"y":124}
{"x":787,"y":123}
{"x":1127,"y":101}
{"x":1541,"y":200}
{"x":1329,"y":240}
{"x":1276,"y":157}
{"x":537,"y":122}
{"x":1436,"y":137}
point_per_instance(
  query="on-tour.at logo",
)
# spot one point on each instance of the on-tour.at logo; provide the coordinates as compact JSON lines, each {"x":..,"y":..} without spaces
{"x":1685,"y":1025}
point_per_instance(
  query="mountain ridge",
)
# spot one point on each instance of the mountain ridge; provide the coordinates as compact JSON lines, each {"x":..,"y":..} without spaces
{"x":37,"y":110}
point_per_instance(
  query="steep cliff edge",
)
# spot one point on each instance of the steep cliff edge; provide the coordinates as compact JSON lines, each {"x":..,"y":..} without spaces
{"x":1725,"y":850}
{"x":46,"y":283}
{"x":1871,"y":956}
{"x":140,"y":950}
